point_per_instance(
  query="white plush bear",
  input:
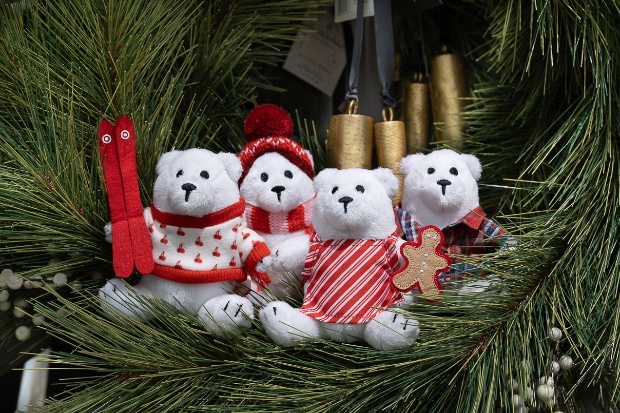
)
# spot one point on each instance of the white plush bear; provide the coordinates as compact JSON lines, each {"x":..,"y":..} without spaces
{"x":200,"y":243}
{"x":276,"y":184}
{"x":441,"y":189}
{"x":354,"y":251}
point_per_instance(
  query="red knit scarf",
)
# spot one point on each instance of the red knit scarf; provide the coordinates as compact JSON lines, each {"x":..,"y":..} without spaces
{"x":267,"y":222}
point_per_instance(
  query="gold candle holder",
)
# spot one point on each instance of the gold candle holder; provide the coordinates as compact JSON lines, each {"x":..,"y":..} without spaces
{"x":449,"y":96}
{"x":390,"y":142}
{"x":349,"y":140}
{"x":417,"y":114}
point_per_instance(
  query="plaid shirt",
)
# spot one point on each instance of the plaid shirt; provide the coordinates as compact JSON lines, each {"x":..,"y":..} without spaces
{"x":472,"y":234}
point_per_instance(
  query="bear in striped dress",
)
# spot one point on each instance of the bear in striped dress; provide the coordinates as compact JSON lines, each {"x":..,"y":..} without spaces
{"x":354,"y":250}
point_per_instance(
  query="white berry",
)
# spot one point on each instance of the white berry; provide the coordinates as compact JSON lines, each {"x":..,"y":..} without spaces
{"x":566,"y":362}
{"x":4,"y":276}
{"x":555,"y":367}
{"x":14,"y":282}
{"x":555,"y":334}
{"x":60,"y":279}
{"x":38,"y":319}
{"x":4,"y":296}
{"x":513,"y":384}
{"x":517,"y":400}
{"x":547,"y":380}
{"x":545,"y":393}
{"x":5,"y":305}
{"x":18,"y":312}
{"x":22,"y":333}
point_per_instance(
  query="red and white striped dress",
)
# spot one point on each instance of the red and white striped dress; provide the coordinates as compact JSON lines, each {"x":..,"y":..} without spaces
{"x":349,"y":280}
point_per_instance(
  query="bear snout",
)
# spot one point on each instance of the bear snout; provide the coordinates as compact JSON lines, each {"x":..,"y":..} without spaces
{"x":188,"y":188}
{"x":443,"y":183}
{"x":345,"y":200}
{"x":278,"y":189}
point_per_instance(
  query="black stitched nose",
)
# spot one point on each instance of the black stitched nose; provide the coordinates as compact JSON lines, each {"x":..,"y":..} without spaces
{"x":278,"y":189}
{"x":443,"y":183}
{"x":188,"y":188}
{"x":345,"y":200}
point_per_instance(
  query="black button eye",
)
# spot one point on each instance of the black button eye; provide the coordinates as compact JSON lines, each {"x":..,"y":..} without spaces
{"x":204,"y":175}
{"x":431,"y":171}
{"x":454,"y":171}
{"x":288,"y":174}
{"x":334,"y":190}
{"x":180,"y":173}
{"x":264,"y":177}
{"x":360,"y":188}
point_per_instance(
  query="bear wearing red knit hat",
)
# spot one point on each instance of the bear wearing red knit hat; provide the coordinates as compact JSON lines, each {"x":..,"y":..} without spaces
{"x":276,"y":184}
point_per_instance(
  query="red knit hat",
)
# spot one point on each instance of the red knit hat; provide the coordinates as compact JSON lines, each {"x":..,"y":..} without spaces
{"x":269,"y":128}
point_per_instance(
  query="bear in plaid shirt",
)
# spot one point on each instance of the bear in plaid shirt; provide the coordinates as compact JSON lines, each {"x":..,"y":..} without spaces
{"x":441,"y":189}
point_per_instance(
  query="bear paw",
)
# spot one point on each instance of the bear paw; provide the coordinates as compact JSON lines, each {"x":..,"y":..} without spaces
{"x":116,"y":297}
{"x":227,"y":314}
{"x":268,"y":264}
{"x":286,"y":326}
{"x":391,"y":331}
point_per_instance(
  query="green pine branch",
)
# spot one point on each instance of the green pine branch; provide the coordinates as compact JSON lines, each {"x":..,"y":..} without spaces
{"x":542,"y":120}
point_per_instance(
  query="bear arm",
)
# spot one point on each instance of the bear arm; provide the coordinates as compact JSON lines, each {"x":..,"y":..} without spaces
{"x":395,"y":258}
{"x":252,"y":248}
{"x":311,"y":259}
{"x":148,"y":217}
{"x":259,"y":252}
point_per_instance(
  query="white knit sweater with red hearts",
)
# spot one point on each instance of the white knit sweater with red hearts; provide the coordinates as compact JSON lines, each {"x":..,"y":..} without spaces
{"x":215,"y":247}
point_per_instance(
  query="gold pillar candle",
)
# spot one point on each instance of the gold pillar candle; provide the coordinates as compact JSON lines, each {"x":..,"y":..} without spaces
{"x":390,"y":143}
{"x":449,"y":95}
{"x":349,"y":140}
{"x":417,"y":115}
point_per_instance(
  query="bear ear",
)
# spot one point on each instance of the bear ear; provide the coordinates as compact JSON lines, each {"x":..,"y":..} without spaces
{"x":409,"y":163}
{"x":310,"y":157}
{"x":387,"y":179}
{"x":165,"y":160}
{"x":323,"y":178}
{"x":232,"y":164}
{"x":473,"y":164}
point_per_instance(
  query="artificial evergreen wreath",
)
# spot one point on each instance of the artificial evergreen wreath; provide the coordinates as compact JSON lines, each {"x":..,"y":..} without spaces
{"x":542,"y":120}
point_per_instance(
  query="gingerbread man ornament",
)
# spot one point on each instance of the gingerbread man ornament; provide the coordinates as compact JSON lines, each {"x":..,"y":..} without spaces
{"x":425,"y":261}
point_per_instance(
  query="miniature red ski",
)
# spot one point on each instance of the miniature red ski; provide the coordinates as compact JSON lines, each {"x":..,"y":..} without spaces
{"x":122,"y":257}
{"x":140,"y":240}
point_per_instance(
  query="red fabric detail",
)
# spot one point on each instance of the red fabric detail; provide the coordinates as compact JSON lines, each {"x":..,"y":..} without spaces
{"x":468,"y":235}
{"x":267,"y":120}
{"x":269,"y":128}
{"x":208,"y":220}
{"x":349,"y":280}
{"x":286,"y":147}
{"x":122,"y":257}
{"x":199,"y":277}
{"x":297,"y":219}
{"x":474,"y":218}
{"x":141,"y":246}
{"x":258,"y":219}
{"x":260,"y":251}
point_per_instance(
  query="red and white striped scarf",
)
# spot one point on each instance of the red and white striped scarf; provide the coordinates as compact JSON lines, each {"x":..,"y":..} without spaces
{"x":267,"y":222}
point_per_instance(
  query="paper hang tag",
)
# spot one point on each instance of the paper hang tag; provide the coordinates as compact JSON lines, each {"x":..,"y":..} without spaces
{"x":318,"y":54}
{"x":425,"y":261}
{"x":345,"y":10}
